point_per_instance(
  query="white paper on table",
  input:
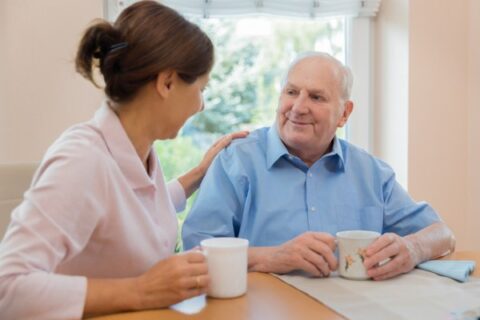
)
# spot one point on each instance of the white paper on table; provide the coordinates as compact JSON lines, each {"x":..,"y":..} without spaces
{"x":416,"y":295}
{"x":191,"y":306}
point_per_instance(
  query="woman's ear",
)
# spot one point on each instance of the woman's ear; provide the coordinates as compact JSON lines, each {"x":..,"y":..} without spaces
{"x":164,"y":82}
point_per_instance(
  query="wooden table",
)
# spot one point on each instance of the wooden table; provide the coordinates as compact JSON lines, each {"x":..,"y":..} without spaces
{"x":267,"y":298}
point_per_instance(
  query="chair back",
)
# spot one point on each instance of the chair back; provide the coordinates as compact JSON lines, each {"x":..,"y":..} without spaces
{"x":15,"y":179}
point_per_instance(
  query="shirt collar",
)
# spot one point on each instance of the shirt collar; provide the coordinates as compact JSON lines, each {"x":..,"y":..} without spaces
{"x":276,"y":149}
{"x":337,"y":153}
{"x":123,"y":151}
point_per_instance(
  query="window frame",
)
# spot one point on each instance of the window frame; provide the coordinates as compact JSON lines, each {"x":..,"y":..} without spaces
{"x":359,"y":51}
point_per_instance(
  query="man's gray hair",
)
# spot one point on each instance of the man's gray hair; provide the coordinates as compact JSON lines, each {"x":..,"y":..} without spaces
{"x":344,"y":72}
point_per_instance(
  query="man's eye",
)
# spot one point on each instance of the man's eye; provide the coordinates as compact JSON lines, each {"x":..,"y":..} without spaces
{"x":291,"y":92}
{"x":318,"y":98}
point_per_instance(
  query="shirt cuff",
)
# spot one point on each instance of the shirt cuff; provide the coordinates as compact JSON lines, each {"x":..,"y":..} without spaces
{"x":77,"y":295}
{"x":44,"y":295}
{"x":177,"y":194}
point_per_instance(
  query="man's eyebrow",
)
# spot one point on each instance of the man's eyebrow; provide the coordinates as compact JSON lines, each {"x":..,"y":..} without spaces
{"x":310,"y":91}
{"x":291,"y":85}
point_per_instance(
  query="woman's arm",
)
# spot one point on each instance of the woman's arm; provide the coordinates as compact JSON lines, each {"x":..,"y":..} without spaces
{"x":169,"y":281}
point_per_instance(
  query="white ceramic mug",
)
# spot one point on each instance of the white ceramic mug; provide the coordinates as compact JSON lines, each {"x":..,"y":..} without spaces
{"x":227,"y":260}
{"x":351,"y":252}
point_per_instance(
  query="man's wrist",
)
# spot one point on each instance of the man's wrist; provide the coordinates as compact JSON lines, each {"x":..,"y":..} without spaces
{"x":417,"y":251}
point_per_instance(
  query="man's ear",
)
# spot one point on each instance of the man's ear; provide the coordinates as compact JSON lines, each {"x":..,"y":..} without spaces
{"x":164,"y":82}
{"x":347,"y":110}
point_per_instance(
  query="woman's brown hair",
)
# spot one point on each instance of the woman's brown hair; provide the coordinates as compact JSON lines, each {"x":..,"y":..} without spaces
{"x":147,"y":38}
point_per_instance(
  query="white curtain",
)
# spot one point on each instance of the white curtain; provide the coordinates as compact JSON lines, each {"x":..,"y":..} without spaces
{"x":286,"y":8}
{"x":289,"y":8}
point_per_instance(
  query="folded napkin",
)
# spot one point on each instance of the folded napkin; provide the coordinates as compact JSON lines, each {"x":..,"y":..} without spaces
{"x":456,"y":269}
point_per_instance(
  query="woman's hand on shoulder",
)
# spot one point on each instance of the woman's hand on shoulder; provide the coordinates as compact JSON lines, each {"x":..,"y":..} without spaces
{"x":192,"y":179}
{"x":172,"y":280}
{"x":218,"y":146}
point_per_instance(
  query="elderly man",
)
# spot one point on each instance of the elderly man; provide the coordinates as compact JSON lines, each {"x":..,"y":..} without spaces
{"x":289,"y":188}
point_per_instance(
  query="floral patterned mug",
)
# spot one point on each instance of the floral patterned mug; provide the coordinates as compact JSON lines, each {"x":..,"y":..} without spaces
{"x":351,"y":252}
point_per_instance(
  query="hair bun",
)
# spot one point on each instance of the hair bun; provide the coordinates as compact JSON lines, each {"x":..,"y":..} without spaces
{"x":146,"y":39}
{"x":95,"y":44}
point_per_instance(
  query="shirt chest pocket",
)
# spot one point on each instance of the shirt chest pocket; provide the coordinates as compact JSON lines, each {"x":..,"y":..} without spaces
{"x":359,"y":218}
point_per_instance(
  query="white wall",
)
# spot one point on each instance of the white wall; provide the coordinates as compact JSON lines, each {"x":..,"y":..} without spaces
{"x":390,"y":61}
{"x":41,"y":94}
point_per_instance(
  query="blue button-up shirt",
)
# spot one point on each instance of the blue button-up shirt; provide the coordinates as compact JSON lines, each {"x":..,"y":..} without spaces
{"x":256,"y":190}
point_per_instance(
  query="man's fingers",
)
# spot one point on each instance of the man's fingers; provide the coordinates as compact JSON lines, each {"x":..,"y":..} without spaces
{"x":318,"y":261}
{"x":388,"y":270}
{"x":324,"y":250}
{"x":387,"y":252}
{"x":387,"y":267}
{"x":382,"y":242}
{"x":311,"y":268}
{"x":327,"y":239}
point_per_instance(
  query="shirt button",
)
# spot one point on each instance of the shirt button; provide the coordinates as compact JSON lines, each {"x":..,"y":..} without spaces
{"x":290,"y":157}
{"x":312,"y":209}
{"x":310,"y":175}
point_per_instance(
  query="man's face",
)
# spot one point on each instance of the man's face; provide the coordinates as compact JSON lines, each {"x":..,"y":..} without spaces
{"x":311,"y":107}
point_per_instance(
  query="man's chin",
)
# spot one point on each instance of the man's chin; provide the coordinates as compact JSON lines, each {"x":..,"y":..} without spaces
{"x":296,"y":143}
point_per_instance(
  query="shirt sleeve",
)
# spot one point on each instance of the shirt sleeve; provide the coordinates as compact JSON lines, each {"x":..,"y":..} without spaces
{"x":177,"y":194}
{"x":219,"y":204}
{"x":53,"y":223}
{"x":402,"y":215}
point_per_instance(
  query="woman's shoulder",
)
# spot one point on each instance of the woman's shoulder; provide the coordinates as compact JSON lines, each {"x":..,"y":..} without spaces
{"x":80,"y":151}
{"x":78,"y":140}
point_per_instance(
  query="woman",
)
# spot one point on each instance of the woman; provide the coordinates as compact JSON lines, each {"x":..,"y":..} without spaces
{"x":96,"y":232}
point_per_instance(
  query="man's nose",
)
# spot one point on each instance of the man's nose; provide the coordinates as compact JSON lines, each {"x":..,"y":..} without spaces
{"x":299,"y":105}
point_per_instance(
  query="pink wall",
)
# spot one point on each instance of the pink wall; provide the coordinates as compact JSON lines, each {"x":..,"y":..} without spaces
{"x":440,"y":75}
{"x":473,"y":173}
{"x":41,"y":94}
{"x":3,"y":35}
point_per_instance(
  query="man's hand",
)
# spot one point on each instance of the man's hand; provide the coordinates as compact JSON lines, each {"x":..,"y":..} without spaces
{"x":391,"y":255}
{"x":312,"y":252}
